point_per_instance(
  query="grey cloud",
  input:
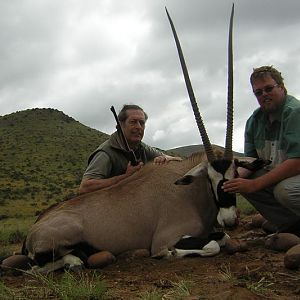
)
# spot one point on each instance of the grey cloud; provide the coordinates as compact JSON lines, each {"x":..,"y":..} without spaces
{"x":84,"y":56}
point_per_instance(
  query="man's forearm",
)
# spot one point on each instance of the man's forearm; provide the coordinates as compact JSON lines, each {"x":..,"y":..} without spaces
{"x":91,"y":185}
{"x":288,"y":168}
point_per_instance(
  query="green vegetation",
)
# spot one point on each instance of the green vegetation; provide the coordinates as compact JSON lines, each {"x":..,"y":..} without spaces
{"x":178,"y":290}
{"x":91,"y":285}
{"x":245,"y":207}
{"x":262,"y":286}
{"x":227,"y":275}
{"x":153,"y":294}
{"x":12,"y":234}
{"x":259,"y":283}
{"x":43,"y":156}
{"x":189,"y":150}
{"x":69,"y":286}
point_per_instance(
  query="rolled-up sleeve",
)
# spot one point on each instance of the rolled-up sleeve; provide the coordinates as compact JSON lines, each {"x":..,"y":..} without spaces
{"x":151,"y":152}
{"x":99,"y":168}
{"x":291,"y":134}
{"x":249,"y":145}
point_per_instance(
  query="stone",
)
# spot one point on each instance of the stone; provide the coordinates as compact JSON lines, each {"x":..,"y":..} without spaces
{"x":257,"y":220}
{"x":292,"y":258}
{"x":136,"y":253}
{"x":100,"y":259}
{"x":233,"y":245}
{"x":17,"y":261}
{"x":282,"y":241}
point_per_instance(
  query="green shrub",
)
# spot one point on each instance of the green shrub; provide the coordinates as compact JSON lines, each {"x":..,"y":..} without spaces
{"x":245,"y":207}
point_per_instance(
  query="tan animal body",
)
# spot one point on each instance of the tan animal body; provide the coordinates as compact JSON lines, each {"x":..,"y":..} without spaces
{"x":147,"y":210}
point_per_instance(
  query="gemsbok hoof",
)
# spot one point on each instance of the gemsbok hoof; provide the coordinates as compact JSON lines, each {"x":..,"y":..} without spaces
{"x":73,"y":263}
{"x":17,"y":263}
{"x":233,"y":245}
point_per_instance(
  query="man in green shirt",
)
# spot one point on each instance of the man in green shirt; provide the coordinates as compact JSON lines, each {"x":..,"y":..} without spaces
{"x":110,"y":162}
{"x":273,"y":132}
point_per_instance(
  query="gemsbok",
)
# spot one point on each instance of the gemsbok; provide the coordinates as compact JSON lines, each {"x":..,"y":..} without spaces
{"x":146,"y":210}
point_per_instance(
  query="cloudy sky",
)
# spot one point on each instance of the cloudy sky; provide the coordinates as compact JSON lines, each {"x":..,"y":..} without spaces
{"x":81,"y":57}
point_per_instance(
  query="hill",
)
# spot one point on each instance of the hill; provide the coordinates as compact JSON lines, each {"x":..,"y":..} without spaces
{"x":186,"y":151}
{"x":43,"y":155}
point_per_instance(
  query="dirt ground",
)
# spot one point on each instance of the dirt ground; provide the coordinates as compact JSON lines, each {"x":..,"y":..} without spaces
{"x":258,"y":273}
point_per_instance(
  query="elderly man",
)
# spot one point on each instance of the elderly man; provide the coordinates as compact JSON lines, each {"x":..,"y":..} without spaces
{"x":110,"y":163}
{"x":273,"y":132}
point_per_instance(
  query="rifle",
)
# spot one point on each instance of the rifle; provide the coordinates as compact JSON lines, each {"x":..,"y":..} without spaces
{"x":132,"y":156}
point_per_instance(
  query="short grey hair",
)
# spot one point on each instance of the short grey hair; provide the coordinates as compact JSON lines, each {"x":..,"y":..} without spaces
{"x":122,"y":116}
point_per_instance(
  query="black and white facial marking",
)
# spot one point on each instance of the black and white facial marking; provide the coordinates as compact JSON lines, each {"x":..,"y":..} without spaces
{"x":221,"y":170}
{"x":217,"y":171}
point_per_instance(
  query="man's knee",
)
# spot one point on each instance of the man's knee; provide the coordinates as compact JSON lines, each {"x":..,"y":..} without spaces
{"x":281,"y":194}
{"x":288,"y":195}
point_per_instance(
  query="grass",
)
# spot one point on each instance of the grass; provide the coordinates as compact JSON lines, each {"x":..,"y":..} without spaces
{"x":7,"y":293}
{"x":70,"y":286}
{"x":226,"y":274}
{"x":43,"y":156}
{"x":84,"y":286}
{"x":260,"y":283}
{"x":14,"y":227}
{"x":260,"y":287}
{"x":180,"y":290}
{"x":91,"y":285}
{"x":153,"y":294}
{"x":245,"y":207}
{"x":12,"y":233}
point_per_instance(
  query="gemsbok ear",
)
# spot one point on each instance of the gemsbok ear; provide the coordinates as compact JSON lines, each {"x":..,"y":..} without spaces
{"x":185,"y":180}
{"x":188,"y":178}
{"x":252,"y":165}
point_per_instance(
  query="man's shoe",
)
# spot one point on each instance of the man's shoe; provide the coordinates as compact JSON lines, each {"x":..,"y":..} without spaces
{"x":295,"y":229}
{"x":257,"y":221}
{"x":268,"y":227}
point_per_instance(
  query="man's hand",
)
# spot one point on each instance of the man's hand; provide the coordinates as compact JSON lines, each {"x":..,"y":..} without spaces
{"x":286,"y":169}
{"x":132,"y":169}
{"x":162,"y":159}
{"x":240,"y":185}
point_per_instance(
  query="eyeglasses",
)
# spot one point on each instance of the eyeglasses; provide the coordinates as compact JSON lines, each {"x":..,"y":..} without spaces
{"x":266,"y":89}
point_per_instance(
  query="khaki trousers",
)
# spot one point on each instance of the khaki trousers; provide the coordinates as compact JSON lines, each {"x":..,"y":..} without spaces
{"x":279,"y":204}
